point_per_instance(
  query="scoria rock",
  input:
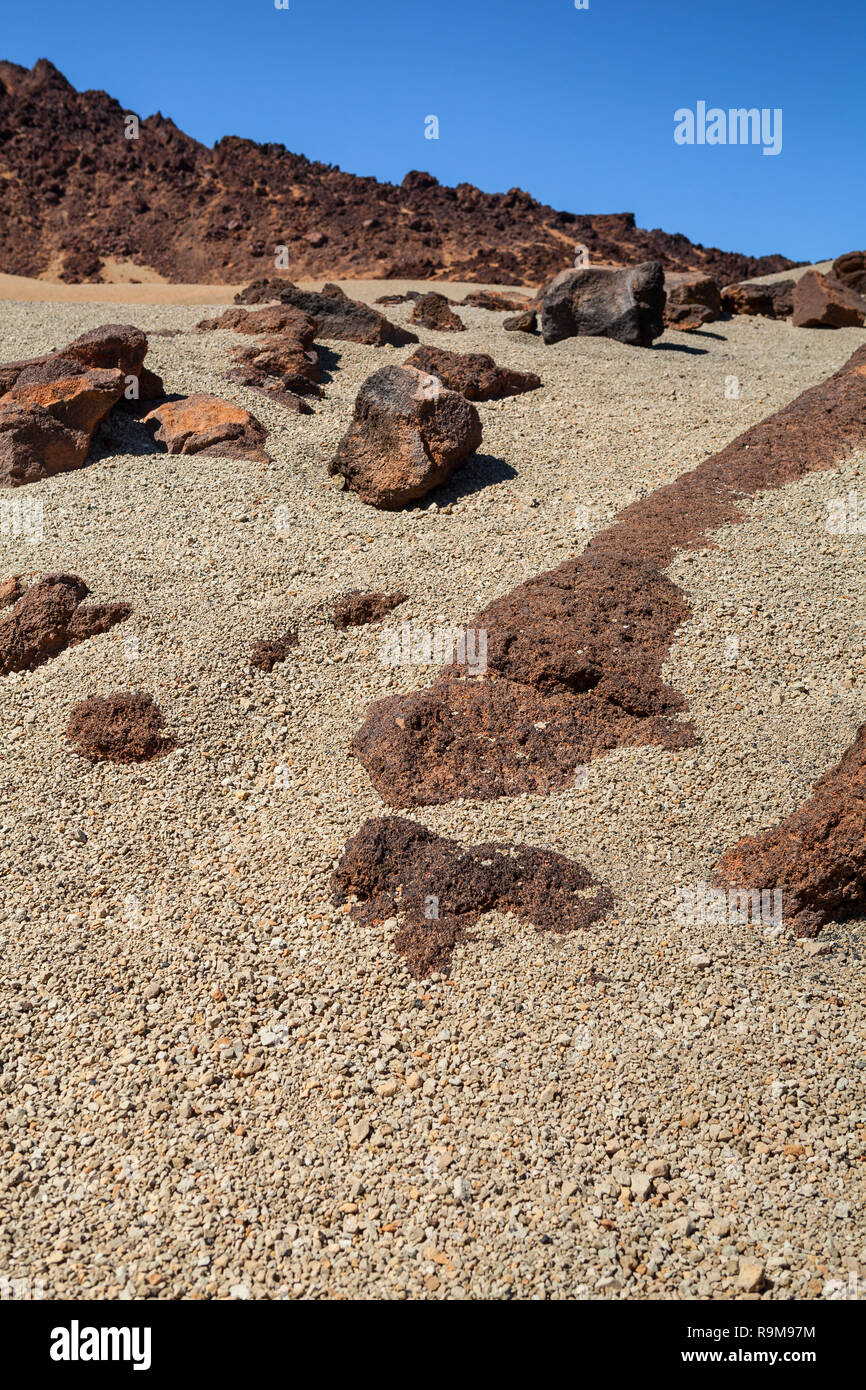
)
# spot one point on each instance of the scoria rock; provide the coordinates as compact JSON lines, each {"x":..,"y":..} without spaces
{"x":121,"y":728}
{"x":474,"y":374}
{"x":822,"y":302}
{"x":626,"y":305}
{"x":337,"y":315}
{"x":204,"y":424}
{"x":434,"y":311}
{"x":408,"y":434}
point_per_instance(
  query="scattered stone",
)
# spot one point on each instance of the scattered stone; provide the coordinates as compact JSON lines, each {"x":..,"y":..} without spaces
{"x":434,"y":311}
{"x":474,"y":374}
{"x":626,"y":305}
{"x":121,"y":728}
{"x":526,"y":322}
{"x":822,"y":302}
{"x":48,"y":618}
{"x":641,"y":1186}
{"x":408,"y":434}
{"x":493,"y":299}
{"x":440,"y":888}
{"x":266,"y":653}
{"x":360,"y":1131}
{"x":850,"y":271}
{"x":773,"y":300}
{"x":206,"y":424}
{"x":693,"y":299}
{"x":750,"y":1276}
{"x":337,"y":315}
{"x":355,"y":609}
{"x":10,"y":590}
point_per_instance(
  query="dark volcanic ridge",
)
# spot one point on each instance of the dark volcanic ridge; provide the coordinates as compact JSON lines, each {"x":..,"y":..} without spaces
{"x":440,"y":888}
{"x":75,"y":192}
{"x":574,"y":656}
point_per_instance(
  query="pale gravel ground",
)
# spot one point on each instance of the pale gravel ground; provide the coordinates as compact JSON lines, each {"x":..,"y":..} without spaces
{"x":214,"y":1084}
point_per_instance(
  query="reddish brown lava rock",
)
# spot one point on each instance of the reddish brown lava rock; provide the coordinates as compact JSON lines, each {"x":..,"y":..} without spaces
{"x":440,"y":888}
{"x":10,"y":590}
{"x":408,"y":434}
{"x":692,"y":300}
{"x":474,"y":374}
{"x":204,"y":424}
{"x":771,"y":301}
{"x":279,"y":366}
{"x":121,"y":728}
{"x":526,"y":322}
{"x":49,"y":617}
{"x":434,"y":311}
{"x":337,"y":315}
{"x":822,"y":302}
{"x":486,"y":299}
{"x":817,"y":857}
{"x":850,"y":271}
{"x":574,"y":656}
{"x":269,"y":652}
{"x":355,"y":609}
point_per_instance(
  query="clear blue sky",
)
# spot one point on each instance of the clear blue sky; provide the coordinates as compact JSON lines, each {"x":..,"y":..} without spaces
{"x":574,"y":105}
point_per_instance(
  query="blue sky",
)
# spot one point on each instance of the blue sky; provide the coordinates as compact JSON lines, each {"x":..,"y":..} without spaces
{"x":577,"y":106}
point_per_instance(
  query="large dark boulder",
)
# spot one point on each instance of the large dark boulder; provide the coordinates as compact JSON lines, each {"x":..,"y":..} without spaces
{"x":600,"y":302}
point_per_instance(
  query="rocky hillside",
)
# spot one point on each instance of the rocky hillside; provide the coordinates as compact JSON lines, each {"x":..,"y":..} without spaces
{"x":76,"y":194}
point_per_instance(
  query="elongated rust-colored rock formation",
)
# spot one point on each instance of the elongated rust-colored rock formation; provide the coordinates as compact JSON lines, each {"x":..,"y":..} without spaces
{"x":441,"y":887}
{"x":574,"y":656}
{"x":817,"y":857}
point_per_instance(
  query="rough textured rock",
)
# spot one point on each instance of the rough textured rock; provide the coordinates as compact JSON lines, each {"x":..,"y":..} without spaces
{"x":474,"y":374}
{"x":627,"y":305}
{"x":340,"y":224}
{"x":526,"y":322}
{"x":49,"y":617}
{"x":574,"y":656}
{"x":822,"y":302}
{"x":817,"y":857}
{"x":485,"y":299}
{"x":274,"y":318}
{"x":850,"y":271}
{"x":280,"y":366}
{"x":10,"y":590}
{"x":336,"y":314}
{"x":693,"y":299}
{"x":267,"y":653}
{"x":434,"y":311}
{"x":408,"y":434}
{"x":204,"y":424}
{"x":440,"y":888}
{"x":355,"y":609}
{"x":771,"y":301}
{"x":122,"y":728}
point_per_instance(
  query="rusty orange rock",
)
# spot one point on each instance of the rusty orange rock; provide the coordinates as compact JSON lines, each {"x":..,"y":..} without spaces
{"x":204,"y":424}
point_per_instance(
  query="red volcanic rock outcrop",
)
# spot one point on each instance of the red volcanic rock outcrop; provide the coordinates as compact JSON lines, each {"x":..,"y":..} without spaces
{"x":474,"y":374}
{"x":440,"y":888}
{"x":336,"y":314}
{"x":73,"y":188}
{"x":204,"y":424}
{"x":434,"y":311}
{"x":574,"y":656}
{"x":817,"y":857}
{"x":50,"y":406}
{"x":771,"y":301}
{"x":269,"y":652}
{"x":408,"y":434}
{"x":850,"y":271}
{"x":627,"y":305}
{"x":822,"y":302}
{"x":356,"y":609}
{"x":121,"y":728}
{"x":283,"y":363}
{"x":49,"y":617}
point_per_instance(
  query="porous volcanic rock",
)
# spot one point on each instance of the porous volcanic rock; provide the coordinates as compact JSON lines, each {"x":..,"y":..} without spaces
{"x":850,"y":271}
{"x":817,"y":857}
{"x":204,"y":424}
{"x":356,"y":608}
{"x":434,"y":311}
{"x":474,"y":374}
{"x":49,"y":617}
{"x":626,"y":305}
{"x":268,"y":652}
{"x":693,"y":299}
{"x":575,"y":656}
{"x":274,"y":318}
{"x":408,"y":434}
{"x":770,"y":301}
{"x":487,"y":299}
{"x":526,"y":322}
{"x":122,"y":728}
{"x":822,"y":302}
{"x":337,"y":315}
{"x":440,"y":888}
{"x":278,"y":365}
{"x":10,"y":590}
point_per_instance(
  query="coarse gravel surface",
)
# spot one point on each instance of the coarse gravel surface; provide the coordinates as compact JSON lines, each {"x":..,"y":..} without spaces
{"x":214,"y":1084}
